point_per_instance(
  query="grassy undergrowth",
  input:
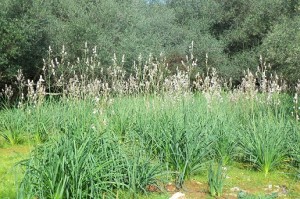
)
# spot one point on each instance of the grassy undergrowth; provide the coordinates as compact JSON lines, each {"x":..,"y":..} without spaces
{"x":106,"y":148}
{"x":238,"y":175}
{"x":10,"y":173}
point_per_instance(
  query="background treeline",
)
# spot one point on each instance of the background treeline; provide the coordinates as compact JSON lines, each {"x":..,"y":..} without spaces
{"x":233,"y":33}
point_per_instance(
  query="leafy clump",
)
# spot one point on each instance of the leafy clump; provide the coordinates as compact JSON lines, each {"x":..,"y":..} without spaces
{"x":85,"y":165}
{"x":216,"y":180}
{"x":244,"y":195}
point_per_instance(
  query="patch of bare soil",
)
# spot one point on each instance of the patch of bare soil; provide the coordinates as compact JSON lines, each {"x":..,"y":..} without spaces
{"x":15,"y":150}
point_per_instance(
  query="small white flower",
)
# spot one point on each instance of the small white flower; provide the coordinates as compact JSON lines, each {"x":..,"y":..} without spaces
{"x":97,"y":99}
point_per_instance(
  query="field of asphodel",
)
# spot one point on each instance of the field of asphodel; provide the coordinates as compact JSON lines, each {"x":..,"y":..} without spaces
{"x":144,"y":99}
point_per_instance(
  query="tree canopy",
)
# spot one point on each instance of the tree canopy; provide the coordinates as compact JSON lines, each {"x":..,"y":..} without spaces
{"x":233,"y":33}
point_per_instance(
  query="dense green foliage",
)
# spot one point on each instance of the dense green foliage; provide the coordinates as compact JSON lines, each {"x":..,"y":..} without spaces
{"x":23,"y":40}
{"x":233,"y":33}
{"x":101,"y":147}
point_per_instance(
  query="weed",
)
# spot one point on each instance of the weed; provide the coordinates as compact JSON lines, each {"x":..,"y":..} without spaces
{"x":216,"y":179}
{"x":243,"y":195}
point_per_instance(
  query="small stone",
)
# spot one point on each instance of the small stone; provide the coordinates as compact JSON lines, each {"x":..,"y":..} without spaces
{"x":284,"y":190}
{"x":270,"y":186}
{"x":178,"y":195}
{"x":235,"y":189}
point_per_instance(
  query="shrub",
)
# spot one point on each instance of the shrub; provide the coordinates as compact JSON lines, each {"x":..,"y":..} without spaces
{"x":264,"y":142}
